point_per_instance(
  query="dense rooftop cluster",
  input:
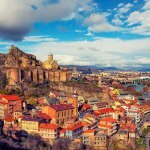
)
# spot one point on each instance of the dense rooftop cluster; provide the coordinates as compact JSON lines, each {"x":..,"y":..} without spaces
{"x":92,"y":121}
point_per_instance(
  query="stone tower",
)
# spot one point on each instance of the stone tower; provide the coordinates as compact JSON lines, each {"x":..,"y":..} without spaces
{"x":13,"y":76}
{"x":100,"y":81}
{"x":50,"y":57}
{"x":50,"y":64}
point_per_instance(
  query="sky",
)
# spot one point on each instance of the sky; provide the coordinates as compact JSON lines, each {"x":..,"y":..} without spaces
{"x":79,"y":32}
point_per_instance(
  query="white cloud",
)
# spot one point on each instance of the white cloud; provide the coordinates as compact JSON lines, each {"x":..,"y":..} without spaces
{"x":140,"y":22}
{"x":89,"y":34}
{"x":17,"y":20}
{"x":120,"y":5}
{"x":135,"y":1}
{"x":99,"y":23}
{"x":125,"y":8}
{"x":79,"y":31}
{"x":117,"y":21}
{"x":102,"y":51}
{"x":38,"y":39}
{"x":147,"y":5}
{"x":143,"y":60}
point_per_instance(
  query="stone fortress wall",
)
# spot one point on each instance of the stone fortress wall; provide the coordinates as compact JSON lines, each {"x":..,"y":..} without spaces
{"x":22,"y":67}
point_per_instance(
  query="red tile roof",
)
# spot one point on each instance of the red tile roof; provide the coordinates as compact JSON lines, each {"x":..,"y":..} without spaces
{"x":63,"y":131}
{"x":43,"y":115}
{"x":90,"y":131}
{"x":129,"y":127}
{"x":10,"y":97}
{"x":9,"y":119}
{"x":105,"y":110}
{"x":121,"y":109}
{"x":48,"y":126}
{"x":102,"y":104}
{"x":109,"y":119}
{"x":86,"y":106}
{"x":79,"y":125}
{"x":60,"y":107}
{"x":20,"y":116}
{"x":105,"y":126}
{"x":3,"y":103}
{"x":96,"y":114}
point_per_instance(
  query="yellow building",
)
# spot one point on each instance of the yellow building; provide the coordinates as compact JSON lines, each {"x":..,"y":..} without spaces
{"x":96,"y":139}
{"x":30,"y":125}
{"x":50,"y":63}
{"x":60,"y":113}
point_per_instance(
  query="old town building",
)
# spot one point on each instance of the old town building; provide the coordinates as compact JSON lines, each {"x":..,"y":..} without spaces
{"x":49,"y":131}
{"x":60,"y":113}
{"x":9,"y":104}
{"x":21,"y":67}
{"x":95,"y":139}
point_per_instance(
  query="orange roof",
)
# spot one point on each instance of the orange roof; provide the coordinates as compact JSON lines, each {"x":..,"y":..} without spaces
{"x":9,"y":119}
{"x":120,"y":109}
{"x":105,"y":126}
{"x":86,"y":106}
{"x":130,"y":127}
{"x":63,"y":131}
{"x":109,"y":119}
{"x":3,"y":103}
{"x":85,"y":123}
{"x":20,"y":116}
{"x":41,"y":101}
{"x":43,"y":115}
{"x":105,"y":110}
{"x":60,"y":107}
{"x":96,"y":114}
{"x":90,"y":131}
{"x":79,"y":125}
{"x":10,"y":97}
{"x":48,"y":126}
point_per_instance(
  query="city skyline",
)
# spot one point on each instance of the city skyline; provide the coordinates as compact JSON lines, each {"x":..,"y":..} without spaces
{"x":110,"y":33}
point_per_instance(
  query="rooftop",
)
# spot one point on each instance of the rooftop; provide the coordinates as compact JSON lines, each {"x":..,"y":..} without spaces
{"x":105,"y":110}
{"x":43,"y":115}
{"x":79,"y":125}
{"x":10,"y":97}
{"x":60,"y":107}
{"x":48,"y":126}
{"x":109,"y":119}
{"x":7,"y":119}
{"x":104,"y":126}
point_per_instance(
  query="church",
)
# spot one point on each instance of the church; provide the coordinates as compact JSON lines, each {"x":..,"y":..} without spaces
{"x":21,"y":67}
{"x":50,"y":64}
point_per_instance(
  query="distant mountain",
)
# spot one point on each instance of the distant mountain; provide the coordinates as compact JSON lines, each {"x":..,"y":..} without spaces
{"x":97,"y":68}
{"x":111,"y":69}
{"x":93,"y":69}
{"x":144,"y":69}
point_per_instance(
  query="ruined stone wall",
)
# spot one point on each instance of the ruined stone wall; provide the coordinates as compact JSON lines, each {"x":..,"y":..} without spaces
{"x":13,"y":76}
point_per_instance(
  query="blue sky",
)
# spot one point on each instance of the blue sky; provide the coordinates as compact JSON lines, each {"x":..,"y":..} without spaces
{"x":87,"y":32}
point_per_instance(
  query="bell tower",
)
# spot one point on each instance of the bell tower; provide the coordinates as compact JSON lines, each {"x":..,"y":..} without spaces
{"x":50,"y":57}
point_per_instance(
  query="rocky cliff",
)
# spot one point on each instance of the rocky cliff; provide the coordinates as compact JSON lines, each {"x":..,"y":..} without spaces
{"x":17,"y":58}
{"x":2,"y":59}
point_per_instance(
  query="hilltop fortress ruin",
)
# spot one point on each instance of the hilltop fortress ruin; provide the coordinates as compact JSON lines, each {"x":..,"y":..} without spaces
{"x":21,"y":67}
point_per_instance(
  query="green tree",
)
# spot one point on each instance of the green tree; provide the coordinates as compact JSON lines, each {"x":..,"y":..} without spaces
{"x":32,"y":101}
